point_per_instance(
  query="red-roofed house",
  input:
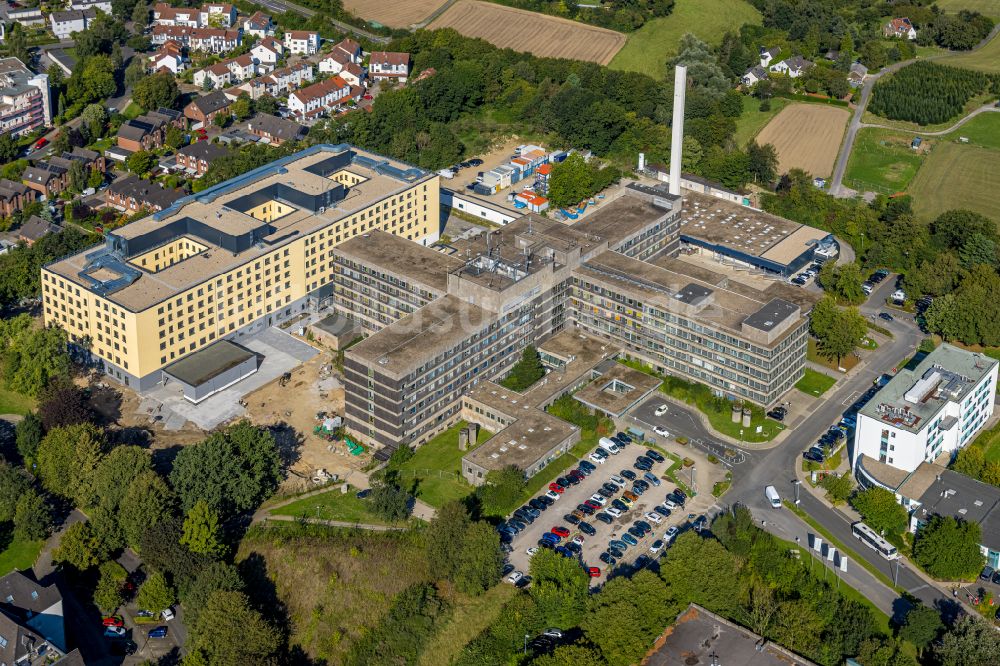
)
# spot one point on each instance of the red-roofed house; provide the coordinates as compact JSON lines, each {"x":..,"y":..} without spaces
{"x":305,"y":42}
{"x":900,"y":28}
{"x":354,"y":74}
{"x":343,"y":53}
{"x":320,"y":98}
{"x":217,"y":75}
{"x":169,"y":57}
{"x":259,"y":25}
{"x":385,"y":65}
{"x":267,"y":52}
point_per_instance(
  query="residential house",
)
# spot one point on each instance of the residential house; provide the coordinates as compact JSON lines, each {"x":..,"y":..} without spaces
{"x":169,"y":57}
{"x":385,"y":65}
{"x":793,"y":67}
{"x":214,"y":40}
{"x":343,"y":53}
{"x":218,"y":15}
{"x":62,"y":60}
{"x":279,"y":82}
{"x":35,"y":228}
{"x":304,"y":42}
{"x":320,"y":98}
{"x":217,"y":76}
{"x":65,"y":24}
{"x":753,"y":75}
{"x":29,"y":17}
{"x":900,"y":28}
{"x":24,"y":98}
{"x":259,"y":25}
{"x":198,"y":156}
{"x":274,"y":130}
{"x":32,"y":623}
{"x":133,"y":193}
{"x":102,"y":5}
{"x":768,"y":55}
{"x":149,"y":130}
{"x":857,"y":74}
{"x":166,"y":15}
{"x":45,"y":178}
{"x":204,"y":109}
{"x":267,"y":52}
{"x":91,"y":159}
{"x":179,"y":34}
{"x":14,"y":196}
{"x":242,"y":67}
{"x":354,"y":74}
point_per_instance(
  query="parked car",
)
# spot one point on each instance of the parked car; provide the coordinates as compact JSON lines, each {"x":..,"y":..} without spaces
{"x":662,"y":510}
{"x":583,"y":508}
{"x":587,"y":529}
{"x":655,"y":455}
{"x":656,"y":547}
{"x":986,"y":574}
{"x":605,"y":516}
{"x":868,"y":288}
{"x":514,"y":577}
{"x":661,"y":410}
{"x":661,"y":431}
{"x":159,"y":632}
{"x":649,"y":476}
{"x":671,"y":533}
{"x":778,"y":414}
{"x":885,"y":316}
{"x":113,"y":621}
{"x":607,"y":558}
{"x":628,"y":474}
{"x":571,"y":519}
{"x":559,"y":530}
{"x":596,"y":458}
{"x":629,"y":539}
{"x":615,"y":552}
{"x":114,"y":632}
{"x":653,"y":517}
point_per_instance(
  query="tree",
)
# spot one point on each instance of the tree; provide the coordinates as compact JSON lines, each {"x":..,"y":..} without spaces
{"x":109,"y":594}
{"x":450,"y":524}
{"x":233,"y":470}
{"x":972,"y":641}
{"x":32,"y":517}
{"x":221,"y":120}
{"x":140,"y":162}
{"x":949,"y":549}
{"x":201,"y":531}
{"x":96,"y":178}
{"x":13,"y":484}
{"x":502,"y":490}
{"x":229,"y":632}
{"x":116,"y":472}
{"x":217,"y":576}
{"x":35,"y":357}
{"x":135,"y":72}
{"x":838,"y":331}
{"x":155,"y":593}
{"x":175,"y":137}
{"x":389,"y":502}
{"x":92,"y":80}
{"x":78,"y":547}
{"x":560,"y":588}
{"x":8,"y":148}
{"x":571,"y":655}
{"x":266,"y":104}
{"x":67,"y":459}
{"x":17,"y":43}
{"x":28,"y":435}
{"x":702,"y":571}
{"x":62,"y":403}
{"x":762,"y":162}
{"x":838,"y":487}
{"x":843,"y":281}
{"x":146,"y":502}
{"x":163,"y":552}
{"x":480,"y":560}
{"x":570,"y":181}
{"x":702,"y":67}
{"x":156,"y":91}
{"x":881,"y":511}
{"x":628,"y":614}
{"x":242,"y":108}
{"x":140,"y":14}
{"x":921,"y":626}
{"x":101,"y":35}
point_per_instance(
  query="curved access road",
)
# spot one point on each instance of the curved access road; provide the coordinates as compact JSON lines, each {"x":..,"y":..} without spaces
{"x":985,"y":108}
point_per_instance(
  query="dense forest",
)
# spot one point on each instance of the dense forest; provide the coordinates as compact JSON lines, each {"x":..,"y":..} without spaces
{"x":621,"y":15}
{"x":928,"y":93}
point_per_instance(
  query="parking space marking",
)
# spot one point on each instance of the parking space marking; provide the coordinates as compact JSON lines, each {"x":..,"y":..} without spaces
{"x":851,"y":399}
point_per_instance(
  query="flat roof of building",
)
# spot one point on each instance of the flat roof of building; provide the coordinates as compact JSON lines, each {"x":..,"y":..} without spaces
{"x":750,"y":231}
{"x":206,"y":364}
{"x":408,"y":343}
{"x":912,"y":398}
{"x":383,"y":178}
{"x":616,"y":220}
{"x":700,"y":637}
{"x":525,"y":441}
{"x":401,"y":257}
{"x":617,"y":389}
{"x":965,"y":498}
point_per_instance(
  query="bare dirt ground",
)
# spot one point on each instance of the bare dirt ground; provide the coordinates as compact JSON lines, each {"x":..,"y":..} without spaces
{"x":806,"y":136}
{"x":393,"y":13}
{"x":545,"y":36}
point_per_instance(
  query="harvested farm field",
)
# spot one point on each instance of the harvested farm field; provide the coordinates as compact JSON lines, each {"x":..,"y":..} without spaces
{"x":807,"y":137}
{"x":393,"y":13}
{"x":541,"y":35}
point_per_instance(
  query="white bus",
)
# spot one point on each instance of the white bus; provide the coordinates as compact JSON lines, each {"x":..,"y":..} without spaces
{"x":871,"y":538}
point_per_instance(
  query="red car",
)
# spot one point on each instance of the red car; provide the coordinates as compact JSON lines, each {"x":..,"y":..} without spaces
{"x":560,"y":531}
{"x":593,"y":505}
{"x":367,"y":97}
{"x":112,"y":621}
{"x":41,"y":143}
{"x":556,"y":488}
{"x":594,"y":572}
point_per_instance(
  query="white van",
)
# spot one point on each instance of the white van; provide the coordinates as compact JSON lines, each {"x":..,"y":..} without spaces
{"x":610,"y":445}
{"x":772,"y":496}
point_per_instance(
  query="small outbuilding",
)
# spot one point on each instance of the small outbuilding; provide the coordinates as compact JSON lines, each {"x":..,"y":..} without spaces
{"x":212,"y":369}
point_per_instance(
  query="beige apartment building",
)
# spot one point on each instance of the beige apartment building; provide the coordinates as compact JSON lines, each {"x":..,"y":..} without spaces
{"x":232,"y":260}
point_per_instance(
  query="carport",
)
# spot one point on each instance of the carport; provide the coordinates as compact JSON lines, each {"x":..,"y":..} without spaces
{"x":214,"y":368}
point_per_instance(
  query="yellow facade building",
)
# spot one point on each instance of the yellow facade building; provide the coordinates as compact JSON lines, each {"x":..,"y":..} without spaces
{"x":234,"y":259}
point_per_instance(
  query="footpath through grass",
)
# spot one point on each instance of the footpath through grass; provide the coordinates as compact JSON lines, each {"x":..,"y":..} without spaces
{"x":334,"y":505}
{"x":649,"y":47}
{"x":815,"y":383}
{"x":436,"y":467}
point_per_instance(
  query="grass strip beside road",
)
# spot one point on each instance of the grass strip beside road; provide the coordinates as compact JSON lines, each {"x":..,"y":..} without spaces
{"x":826,"y":534}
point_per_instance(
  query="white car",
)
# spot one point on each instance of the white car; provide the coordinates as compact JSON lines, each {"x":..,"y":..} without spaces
{"x":671,"y":533}
{"x":578,"y":539}
{"x":656,"y":547}
{"x":613,"y":511}
{"x":596,"y":458}
{"x":167,"y":614}
{"x":553,"y":495}
{"x":654,"y":517}
{"x":552,"y":633}
{"x":600,"y":499}
{"x":617,"y":480}
{"x":515,"y":577}
{"x":661,"y":431}
{"x":531,"y":551}
{"x":661,"y":410}
{"x":670,"y":505}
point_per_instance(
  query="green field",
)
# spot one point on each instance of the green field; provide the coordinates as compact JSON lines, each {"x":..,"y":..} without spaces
{"x":815,"y":383}
{"x":752,"y":120}
{"x":14,"y":403}
{"x":957,"y":176}
{"x":882,"y":160}
{"x":649,"y":47}
{"x":983,"y":130}
{"x":332,"y":505}
{"x":437,"y":468}
{"x":986,"y":59}
{"x":985,"y":7}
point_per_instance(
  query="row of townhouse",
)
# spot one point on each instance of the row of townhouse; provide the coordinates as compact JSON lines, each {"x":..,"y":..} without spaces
{"x":259,"y":25}
{"x":29,"y":17}
{"x":215,"y":15}
{"x":279,"y":82}
{"x":209,"y":40}
{"x":149,"y":130}
{"x":267,"y":52}
{"x":322,"y":98}
{"x":131,"y":194}
{"x":198,"y":156}
{"x":52,"y":176}
{"x":225,"y":73}
{"x":14,"y":196}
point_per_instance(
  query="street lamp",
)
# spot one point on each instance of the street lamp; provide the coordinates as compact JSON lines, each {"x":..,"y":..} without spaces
{"x":796,"y":483}
{"x":526,"y":636}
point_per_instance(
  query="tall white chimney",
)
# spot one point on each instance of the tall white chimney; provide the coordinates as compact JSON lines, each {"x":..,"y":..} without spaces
{"x":642,"y":162}
{"x":677,"y":140}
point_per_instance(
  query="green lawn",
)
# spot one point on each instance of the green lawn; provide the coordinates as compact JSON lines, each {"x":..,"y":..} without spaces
{"x":132,"y":111}
{"x":437,"y":467}
{"x":957,"y":176}
{"x":815,"y":383}
{"x":985,"y":7}
{"x":19,"y":555}
{"x":982,"y":131}
{"x":15,"y":403}
{"x":882,"y":160}
{"x":332,"y":505}
{"x":753,"y":120}
{"x":990,"y":441}
{"x":649,"y":47}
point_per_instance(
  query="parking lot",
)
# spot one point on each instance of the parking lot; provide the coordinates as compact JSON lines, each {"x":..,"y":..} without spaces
{"x":594,"y":545}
